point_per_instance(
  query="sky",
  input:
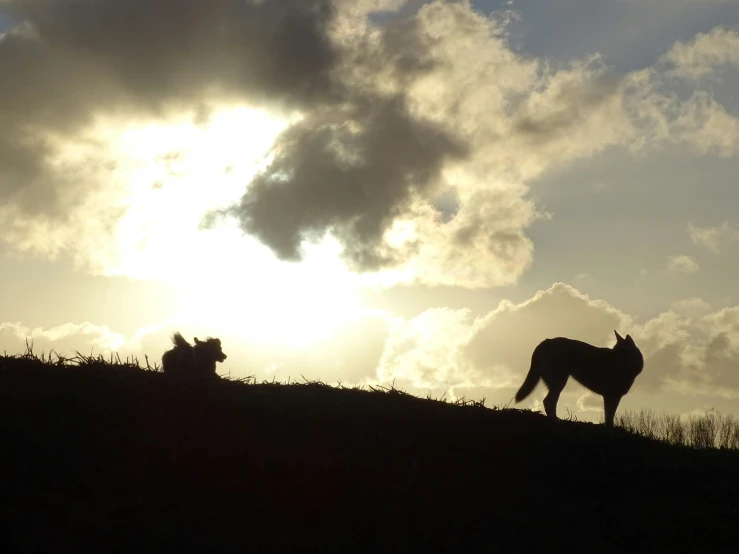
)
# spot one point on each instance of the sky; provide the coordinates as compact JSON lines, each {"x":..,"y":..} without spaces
{"x":377,"y":191}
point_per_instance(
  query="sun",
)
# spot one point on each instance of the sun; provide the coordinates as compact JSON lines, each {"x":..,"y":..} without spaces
{"x":291,"y":304}
{"x":178,"y":171}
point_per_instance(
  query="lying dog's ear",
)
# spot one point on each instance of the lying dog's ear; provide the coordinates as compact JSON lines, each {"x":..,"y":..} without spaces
{"x":197,"y":341}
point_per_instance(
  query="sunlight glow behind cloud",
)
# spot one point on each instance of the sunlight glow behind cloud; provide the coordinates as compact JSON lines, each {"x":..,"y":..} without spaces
{"x":179,"y":172}
{"x":262,"y":297}
{"x":228,"y":280}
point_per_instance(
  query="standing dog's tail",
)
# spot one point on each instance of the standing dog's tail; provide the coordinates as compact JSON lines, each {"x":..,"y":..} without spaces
{"x":532,"y":378}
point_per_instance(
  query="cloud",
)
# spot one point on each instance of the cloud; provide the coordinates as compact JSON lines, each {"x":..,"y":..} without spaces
{"x":352,"y":177}
{"x":503,"y":120}
{"x":359,"y":158}
{"x":707,"y":126}
{"x":63,"y":339}
{"x":156,"y":52}
{"x":411,"y":141}
{"x":682,"y":264}
{"x":508,"y":335}
{"x":373,"y":170}
{"x":77,"y":78}
{"x":590,"y":402}
{"x":425,"y":351}
{"x":712,"y":237}
{"x":710,"y":356}
{"x":701,"y":120}
{"x":691,"y":307}
{"x":700,"y":57}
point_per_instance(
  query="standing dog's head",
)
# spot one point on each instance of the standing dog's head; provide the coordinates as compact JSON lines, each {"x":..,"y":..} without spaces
{"x":629,"y":350}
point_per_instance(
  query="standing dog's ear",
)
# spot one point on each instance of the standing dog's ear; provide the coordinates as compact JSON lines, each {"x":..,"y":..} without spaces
{"x":619,"y":338}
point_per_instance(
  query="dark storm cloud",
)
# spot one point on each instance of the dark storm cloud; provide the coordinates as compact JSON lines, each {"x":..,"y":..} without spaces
{"x":70,"y":60}
{"x":351,"y":165}
{"x":21,"y":160}
{"x":158,"y":51}
{"x":353,"y":177}
{"x":354,"y":169}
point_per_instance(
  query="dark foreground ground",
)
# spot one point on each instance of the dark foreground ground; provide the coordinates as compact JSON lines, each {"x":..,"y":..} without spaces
{"x":105,"y":459}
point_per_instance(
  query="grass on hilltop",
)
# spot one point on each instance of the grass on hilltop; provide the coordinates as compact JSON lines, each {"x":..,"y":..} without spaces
{"x":709,"y":430}
{"x":104,"y":455}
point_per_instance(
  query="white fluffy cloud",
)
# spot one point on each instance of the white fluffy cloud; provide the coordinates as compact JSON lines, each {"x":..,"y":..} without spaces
{"x":682,"y":264}
{"x":700,"y":57}
{"x":63,"y":339}
{"x":691,"y":307}
{"x":712,"y":237}
{"x":425,"y":351}
{"x":706,"y":125}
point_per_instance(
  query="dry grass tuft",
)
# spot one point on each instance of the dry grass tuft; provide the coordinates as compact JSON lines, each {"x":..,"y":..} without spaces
{"x":710,"y":430}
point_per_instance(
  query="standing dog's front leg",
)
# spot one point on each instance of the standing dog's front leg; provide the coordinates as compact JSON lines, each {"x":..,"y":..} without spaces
{"x":610,"y":405}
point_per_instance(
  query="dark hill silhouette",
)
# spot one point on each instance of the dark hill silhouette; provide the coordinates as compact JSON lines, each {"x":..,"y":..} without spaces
{"x":110,"y":458}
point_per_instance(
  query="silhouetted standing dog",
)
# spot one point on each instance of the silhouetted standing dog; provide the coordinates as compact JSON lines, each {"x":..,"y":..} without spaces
{"x":609,"y":372}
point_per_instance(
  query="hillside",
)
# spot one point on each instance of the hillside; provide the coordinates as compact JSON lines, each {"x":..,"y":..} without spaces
{"x":110,"y":458}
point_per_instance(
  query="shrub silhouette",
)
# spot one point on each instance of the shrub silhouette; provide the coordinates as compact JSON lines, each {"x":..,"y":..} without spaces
{"x":188,"y":361}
